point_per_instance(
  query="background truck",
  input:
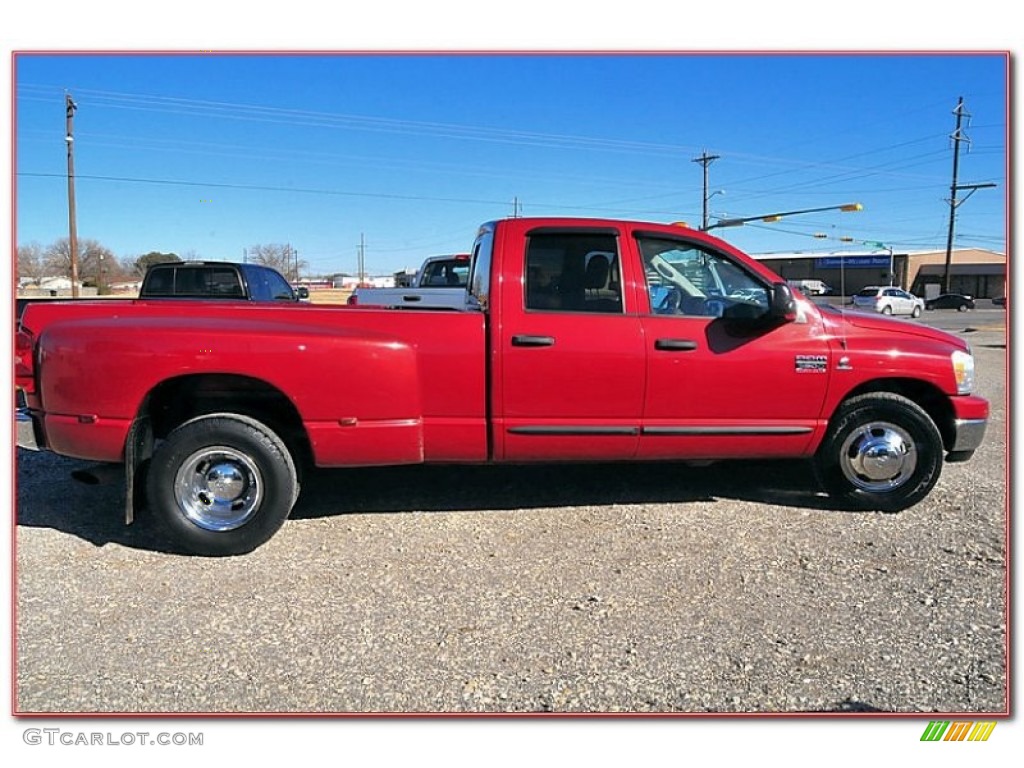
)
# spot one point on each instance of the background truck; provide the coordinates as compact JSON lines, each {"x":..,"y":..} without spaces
{"x":812,"y":287}
{"x":217,"y":280}
{"x":439,"y":283}
{"x":579,"y":340}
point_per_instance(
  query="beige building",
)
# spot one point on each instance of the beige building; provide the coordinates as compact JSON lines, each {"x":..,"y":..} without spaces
{"x":975,"y":271}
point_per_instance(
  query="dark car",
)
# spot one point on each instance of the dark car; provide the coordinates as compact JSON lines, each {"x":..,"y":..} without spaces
{"x":1000,"y":301}
{"x":958,"y":301}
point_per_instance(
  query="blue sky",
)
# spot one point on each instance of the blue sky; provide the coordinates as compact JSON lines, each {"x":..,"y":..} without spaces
{"x":207,"y":154}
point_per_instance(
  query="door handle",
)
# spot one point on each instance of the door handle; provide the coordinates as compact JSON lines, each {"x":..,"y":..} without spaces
{"x":412,"y":297}
{"x":675,"y":345}
{"x":533,"y":341}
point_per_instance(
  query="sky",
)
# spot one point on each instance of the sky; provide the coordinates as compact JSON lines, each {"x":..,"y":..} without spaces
{"x":206,"y":154}
{"x":412,"y":153}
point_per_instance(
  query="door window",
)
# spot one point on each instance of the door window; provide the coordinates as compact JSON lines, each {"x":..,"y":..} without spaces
{"x":686,"y":279}
{"x":573,"y":272}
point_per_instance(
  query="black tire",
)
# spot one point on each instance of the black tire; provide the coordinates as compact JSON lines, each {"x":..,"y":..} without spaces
{"x":222,"y":484}
{"x":962,"y":308}
{"x":882,"y":451}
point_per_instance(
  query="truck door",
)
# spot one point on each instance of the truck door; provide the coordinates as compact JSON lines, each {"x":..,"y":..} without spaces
{"x":570,"y":366}
{"x":722,"y":381}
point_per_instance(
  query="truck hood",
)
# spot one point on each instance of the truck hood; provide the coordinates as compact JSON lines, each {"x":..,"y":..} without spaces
{"x":836,"y":319}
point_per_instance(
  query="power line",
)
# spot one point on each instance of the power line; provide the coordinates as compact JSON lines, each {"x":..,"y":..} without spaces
{"x":267,"y":188}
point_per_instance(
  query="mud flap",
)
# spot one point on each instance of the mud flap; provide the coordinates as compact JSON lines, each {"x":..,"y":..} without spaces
{"x":138,"y":448}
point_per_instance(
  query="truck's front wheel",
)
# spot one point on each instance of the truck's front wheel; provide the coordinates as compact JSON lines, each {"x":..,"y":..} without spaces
{"x":882,"y":451}
{"x":222,"y":484}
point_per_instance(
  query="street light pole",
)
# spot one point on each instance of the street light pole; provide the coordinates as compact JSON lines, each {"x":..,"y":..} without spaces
{"x":770,"y":217}
{"x":889,"y":248}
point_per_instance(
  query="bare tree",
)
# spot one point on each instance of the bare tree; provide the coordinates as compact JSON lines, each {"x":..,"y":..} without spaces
{"x":283,"y":258}
{"x":96,"y":263}
{"x":30,"y":262}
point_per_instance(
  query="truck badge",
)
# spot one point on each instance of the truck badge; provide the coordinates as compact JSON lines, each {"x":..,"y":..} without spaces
{"x":811,"y":363}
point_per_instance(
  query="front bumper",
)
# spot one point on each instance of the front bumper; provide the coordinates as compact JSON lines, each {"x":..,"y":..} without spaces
{"x":970,"y":419}
{"x":968,"y":434}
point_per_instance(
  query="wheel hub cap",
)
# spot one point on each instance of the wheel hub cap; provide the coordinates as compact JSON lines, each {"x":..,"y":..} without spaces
{"x":218,"y":488}
{"x":878,"y":457}
{"x":225,"y":482}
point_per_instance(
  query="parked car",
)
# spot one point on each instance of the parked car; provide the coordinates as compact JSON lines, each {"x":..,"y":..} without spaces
{"x":958,"y":301}
{"x":889,"y":301}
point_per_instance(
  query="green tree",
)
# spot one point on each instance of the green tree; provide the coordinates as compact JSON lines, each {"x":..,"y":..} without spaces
{"x":153,"y":257}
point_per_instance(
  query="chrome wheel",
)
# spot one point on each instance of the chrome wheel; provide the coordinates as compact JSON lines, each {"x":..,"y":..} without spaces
{"x":882,"y":451}
{"x":878,"y":457}
{"x":218,"y":488}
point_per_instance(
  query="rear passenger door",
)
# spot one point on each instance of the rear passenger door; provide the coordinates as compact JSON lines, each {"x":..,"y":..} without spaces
{"x":570,"y":376}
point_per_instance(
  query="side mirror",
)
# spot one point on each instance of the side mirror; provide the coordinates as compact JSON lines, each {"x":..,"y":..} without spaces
{"x":302,"y":292}
{"x":783,"y":306}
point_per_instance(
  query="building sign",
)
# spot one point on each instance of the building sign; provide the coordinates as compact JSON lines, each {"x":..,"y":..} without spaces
{"x":851,"y":262}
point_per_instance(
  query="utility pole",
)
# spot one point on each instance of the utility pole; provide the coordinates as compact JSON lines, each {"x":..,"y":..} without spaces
{"x":69,"y":139}
{"x":705,"y":159}
{"x":362,"y":256}
{"x":516,"y":208}
{"x":957,"y":136}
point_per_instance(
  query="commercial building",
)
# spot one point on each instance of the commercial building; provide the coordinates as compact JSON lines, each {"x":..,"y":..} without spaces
{"x":975,"y":271}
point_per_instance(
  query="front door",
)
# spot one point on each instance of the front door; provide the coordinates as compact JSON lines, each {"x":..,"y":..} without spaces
{"x":722,"y":381}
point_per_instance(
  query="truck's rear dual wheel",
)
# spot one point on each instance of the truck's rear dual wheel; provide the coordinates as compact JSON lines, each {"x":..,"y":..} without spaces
{"x":882,"y":451}
{"x":222,"y":484}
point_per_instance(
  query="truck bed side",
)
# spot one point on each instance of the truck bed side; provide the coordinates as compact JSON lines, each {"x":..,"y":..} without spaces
{"x":369,"y":387}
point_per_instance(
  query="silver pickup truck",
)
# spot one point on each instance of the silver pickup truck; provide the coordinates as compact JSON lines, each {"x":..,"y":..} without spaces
{"x":439,"y":284}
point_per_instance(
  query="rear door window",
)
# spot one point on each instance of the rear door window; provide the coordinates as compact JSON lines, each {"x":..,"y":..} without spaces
{"x":573,"y":272}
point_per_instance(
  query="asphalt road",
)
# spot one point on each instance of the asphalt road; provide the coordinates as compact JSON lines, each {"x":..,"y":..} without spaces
{"x":655,"y":588}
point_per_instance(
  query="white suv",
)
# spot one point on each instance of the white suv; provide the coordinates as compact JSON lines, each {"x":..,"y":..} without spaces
{"x":889,"y":301}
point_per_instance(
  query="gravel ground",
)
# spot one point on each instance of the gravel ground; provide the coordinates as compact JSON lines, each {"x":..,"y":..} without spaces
{"x":655,"y":588}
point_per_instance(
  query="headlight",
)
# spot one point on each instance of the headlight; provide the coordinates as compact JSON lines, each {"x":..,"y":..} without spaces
{"x":963,"y":372}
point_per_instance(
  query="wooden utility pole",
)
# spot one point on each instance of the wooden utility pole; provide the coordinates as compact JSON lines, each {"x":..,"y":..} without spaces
{"x":957,"y":138}
{"x":362,"y":256}
{"x":705,"y":159}
{"x":69,"y":139}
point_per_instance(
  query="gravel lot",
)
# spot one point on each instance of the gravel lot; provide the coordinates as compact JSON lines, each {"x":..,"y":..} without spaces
{"x":657,"y":588}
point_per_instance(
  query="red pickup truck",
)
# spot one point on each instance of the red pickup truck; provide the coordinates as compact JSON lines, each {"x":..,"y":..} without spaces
{"x":581,"y":340}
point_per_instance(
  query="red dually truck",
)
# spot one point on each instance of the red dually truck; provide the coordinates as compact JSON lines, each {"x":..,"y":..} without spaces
{"x":580,"y":340}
